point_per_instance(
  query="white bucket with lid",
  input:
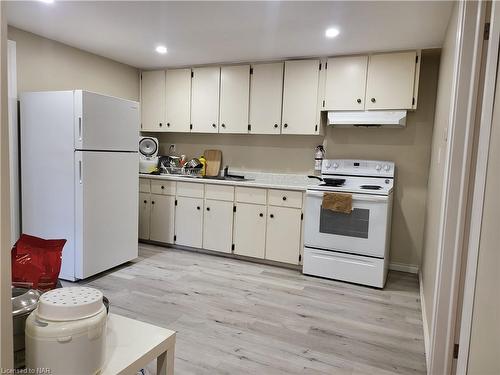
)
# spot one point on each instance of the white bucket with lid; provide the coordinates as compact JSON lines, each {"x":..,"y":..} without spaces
{"x":67,"y":332}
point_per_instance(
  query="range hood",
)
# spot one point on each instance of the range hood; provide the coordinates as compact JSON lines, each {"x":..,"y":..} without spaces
{"x":394,"y":119}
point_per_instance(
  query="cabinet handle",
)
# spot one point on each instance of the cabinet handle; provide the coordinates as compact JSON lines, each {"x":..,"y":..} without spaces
{"x":168,"y":124}
{"x":152,"y":202}
{"x":214,"y":126}
{"x":79,"y":128}
{"x":145,"y":201}
{"x":275,"y":125}
{"x":223,"y":125}
{"x":359,"y":101}
{"x":162,"y":187}
{"x":271,"y":216}
{"x":161,"y":124}
{"x":285,"y":125}
{"x":373,"y":100}
{"x":261,"y":214}
{"x":284,"y":198}
{"x":198,"y":207}
{"x":208,"y":208}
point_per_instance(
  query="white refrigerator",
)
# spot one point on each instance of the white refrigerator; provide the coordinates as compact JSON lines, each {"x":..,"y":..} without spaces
{"x":79,"y":176}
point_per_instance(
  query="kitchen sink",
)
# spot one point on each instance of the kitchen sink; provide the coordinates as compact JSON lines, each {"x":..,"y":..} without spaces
{"x":228,"y":178}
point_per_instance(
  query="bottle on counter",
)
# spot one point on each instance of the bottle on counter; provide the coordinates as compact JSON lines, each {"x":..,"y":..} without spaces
{"x":203,"y":161}
{"x":318,"y":157}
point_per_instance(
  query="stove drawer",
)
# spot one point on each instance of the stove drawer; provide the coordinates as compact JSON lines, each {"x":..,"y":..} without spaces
{"x":285,"y":198}
{"x":346,"y":267}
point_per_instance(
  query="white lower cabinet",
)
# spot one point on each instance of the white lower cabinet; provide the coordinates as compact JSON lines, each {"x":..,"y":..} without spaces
{"x":189,"y":222}
{"x":161,"y":227}
{"x":249,"y":236}
{"x":144,"y":215}
{"x":283,"y":234}
{"x":253,"y":222}
{"x":218,"y":225}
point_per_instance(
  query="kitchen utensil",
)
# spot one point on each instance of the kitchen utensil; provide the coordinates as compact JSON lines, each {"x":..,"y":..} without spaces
{"x":194,"y":163}
{"x":24,"y":301}
{"x":330,"y":181}
{"x":214,"y":160}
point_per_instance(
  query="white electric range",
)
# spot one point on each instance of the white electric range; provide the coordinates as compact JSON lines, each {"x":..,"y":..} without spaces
{"x":350,"y":247}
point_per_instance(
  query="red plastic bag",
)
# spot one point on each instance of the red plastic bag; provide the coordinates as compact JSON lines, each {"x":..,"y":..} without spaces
{"x":36,"y":262}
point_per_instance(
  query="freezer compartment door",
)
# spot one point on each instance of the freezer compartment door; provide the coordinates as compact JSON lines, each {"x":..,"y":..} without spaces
{"x":105,"y":123}
{"x":106,"y":210}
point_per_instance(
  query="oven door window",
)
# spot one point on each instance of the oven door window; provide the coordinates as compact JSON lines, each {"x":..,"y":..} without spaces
{"x":355,"y":224}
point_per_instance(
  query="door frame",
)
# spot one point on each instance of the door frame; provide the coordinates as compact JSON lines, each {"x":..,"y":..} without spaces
{"x":476,"y":211}
{"x":469,"y":40}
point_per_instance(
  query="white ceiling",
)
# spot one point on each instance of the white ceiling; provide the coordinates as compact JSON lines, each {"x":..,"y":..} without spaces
{"x":211,"y":32}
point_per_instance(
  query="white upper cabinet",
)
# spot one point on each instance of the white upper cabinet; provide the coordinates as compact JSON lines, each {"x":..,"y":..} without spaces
{"x":390,"y":81}
{"x":178,"y":100}
{"x":300,"y":97}
{"x":205,"y":100}
{"x":266,"y":95}
{"x":345,"y":83}
{"x":153,"y":100}
{"x":234,"y":98}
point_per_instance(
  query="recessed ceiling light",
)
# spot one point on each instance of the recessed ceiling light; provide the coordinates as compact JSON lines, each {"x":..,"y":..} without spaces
{"x":332,"y":32}
{"x":161,"y":49}
{"x":47,"y":1}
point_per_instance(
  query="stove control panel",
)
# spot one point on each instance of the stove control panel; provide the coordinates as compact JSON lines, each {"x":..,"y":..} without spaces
{"x":358,"y":167}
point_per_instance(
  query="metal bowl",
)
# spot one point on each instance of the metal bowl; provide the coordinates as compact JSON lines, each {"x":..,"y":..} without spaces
{"x":24,"y":301}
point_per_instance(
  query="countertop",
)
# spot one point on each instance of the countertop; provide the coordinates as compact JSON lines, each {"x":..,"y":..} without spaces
{"x":257,"y":179}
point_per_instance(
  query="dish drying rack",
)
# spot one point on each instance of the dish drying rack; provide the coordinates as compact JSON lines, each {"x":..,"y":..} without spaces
{"x":183,"y":171}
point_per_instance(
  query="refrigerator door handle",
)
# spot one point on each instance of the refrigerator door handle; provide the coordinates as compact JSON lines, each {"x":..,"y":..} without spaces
{"x":80,"y":129}
{"x":80,"y":172}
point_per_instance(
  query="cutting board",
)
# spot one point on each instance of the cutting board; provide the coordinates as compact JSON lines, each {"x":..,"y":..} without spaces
{"x":214,"y":159}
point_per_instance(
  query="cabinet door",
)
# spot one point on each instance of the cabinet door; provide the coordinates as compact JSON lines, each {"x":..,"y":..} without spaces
{"x":189,"y":221}
{"x":218,"y":225}
{"x":144,"y":215}
{"x":266,"y":95}
{"x":234,"y":98}
{"x":153,"y":100}
{"x":205,"y":100}
{"x":162,"y":218}
{"x":300,"y":97}
{"x":283,"y":234}
{"x":391,"y":77}
{"x":346,"y":83}
{"x":250,"y":230}
{"x":178,"y":100}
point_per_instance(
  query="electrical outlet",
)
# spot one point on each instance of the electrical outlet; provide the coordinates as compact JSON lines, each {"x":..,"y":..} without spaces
{"x":171,"y":148}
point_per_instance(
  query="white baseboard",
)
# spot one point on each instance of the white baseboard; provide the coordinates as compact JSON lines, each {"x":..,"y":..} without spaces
{"x":410,"y":268}
{"x":424,"y":320}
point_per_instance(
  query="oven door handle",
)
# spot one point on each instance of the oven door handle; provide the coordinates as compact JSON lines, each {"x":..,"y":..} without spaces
{"x":356,"y":197}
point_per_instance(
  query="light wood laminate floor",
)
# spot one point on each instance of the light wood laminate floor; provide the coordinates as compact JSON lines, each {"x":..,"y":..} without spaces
{"x":237,"y":317}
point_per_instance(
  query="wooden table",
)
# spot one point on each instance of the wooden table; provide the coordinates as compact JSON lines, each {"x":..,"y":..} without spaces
{"x":131,"y":345}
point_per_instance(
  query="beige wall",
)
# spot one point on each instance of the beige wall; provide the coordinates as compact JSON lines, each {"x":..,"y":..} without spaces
{"x":43,"y":64}
{"x":408,"y":147}
{"x":5,"y":293}
{"x":436,"y":172}
{"x":484,"y":354}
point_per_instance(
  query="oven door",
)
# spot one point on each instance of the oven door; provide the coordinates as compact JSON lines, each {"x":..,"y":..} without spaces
{"x":364,"y":231}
